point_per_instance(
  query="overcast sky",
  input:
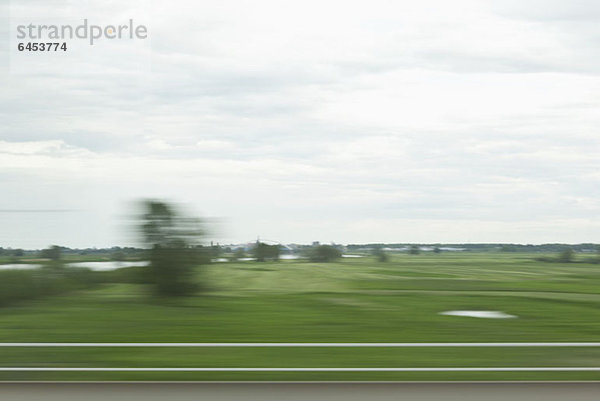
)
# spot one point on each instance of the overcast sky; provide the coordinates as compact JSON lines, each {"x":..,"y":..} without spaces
{"x":345,"y":121}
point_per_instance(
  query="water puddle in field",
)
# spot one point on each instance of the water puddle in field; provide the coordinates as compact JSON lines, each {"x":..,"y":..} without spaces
{"x":106,"y":266}
{"x":289,"y":257}
{"x":486,"y":314}
{"x":19,"y":266}
{"x":281,"y":257}
{"x":97,"y":266}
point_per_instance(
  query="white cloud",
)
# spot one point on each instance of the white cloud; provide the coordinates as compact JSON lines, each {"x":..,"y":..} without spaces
{"x":345,"y":121}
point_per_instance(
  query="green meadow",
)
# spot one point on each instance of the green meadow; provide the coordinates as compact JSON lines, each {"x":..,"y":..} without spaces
{"x":353,"y":300}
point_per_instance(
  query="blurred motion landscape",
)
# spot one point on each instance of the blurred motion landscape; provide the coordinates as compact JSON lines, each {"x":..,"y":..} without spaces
{"x":176,"y":290}
{"x":299,"y":191}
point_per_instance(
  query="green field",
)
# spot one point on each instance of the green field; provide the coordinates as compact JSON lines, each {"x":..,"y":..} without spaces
{"x":354,"y":300}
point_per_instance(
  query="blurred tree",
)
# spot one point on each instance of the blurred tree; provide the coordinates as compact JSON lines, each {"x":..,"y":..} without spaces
{"x":414,"y":250}
{"x":215,"y":250}
{"x":238,"y":254}
{"x":324,"y":253}
{"x":566,"y":256}
{"x":380,"y":254}
{"x":173,"y":240}
{"x":262,"y":252}
{"x":52,"y":253}
{"x":118,"y":256}
{"x":437,"y":249}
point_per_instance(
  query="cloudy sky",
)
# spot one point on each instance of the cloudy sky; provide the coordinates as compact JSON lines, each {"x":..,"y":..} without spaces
{"x":345,"y":121}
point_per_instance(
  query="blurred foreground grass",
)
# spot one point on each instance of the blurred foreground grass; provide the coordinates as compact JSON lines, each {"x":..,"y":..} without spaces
{"x":354,"y":300}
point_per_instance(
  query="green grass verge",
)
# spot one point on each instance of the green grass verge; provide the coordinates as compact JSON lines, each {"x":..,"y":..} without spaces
{"x":354,"y":300}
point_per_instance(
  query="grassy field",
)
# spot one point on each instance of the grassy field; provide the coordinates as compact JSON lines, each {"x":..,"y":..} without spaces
{"x":354,"y":300}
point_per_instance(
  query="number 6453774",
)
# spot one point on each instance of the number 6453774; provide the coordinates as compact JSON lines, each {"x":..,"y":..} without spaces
{"x":42,"y":46}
